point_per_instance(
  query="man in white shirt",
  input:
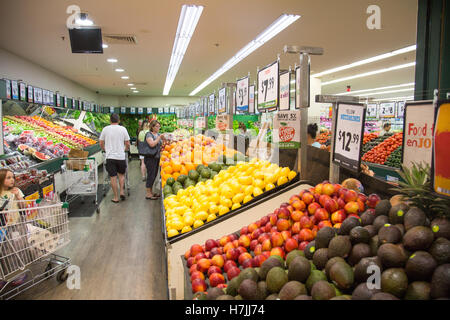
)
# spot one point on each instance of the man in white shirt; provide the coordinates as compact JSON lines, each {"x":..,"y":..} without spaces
{"x":114,"y":140}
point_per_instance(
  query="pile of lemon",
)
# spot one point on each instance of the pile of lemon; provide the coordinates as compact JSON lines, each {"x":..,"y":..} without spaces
{"x":227,"y":191}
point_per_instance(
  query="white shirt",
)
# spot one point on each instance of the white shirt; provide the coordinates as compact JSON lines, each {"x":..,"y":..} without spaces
{"x":115,"y":137}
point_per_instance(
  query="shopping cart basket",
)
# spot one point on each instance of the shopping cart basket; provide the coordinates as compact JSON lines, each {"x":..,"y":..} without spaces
{"x":81,"y":179}
{"x":106,"y":179}
{"x":31,"y":231}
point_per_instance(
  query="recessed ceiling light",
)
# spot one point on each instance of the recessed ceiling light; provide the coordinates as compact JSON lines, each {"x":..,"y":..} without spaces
{"x":370,"y":73}
{"x":112,"y":60}
{"x":366,"y":61}
{"x":130,"y":84}
{"x":104,"y":46}
{"x":119,"y":70}
{"x":135,"y":91}
{"x":186,"y":26}
{"x":276,"y":27}
{"x":376,"y":89}
{"x":125,"y":77}
{"x":83,"y":20}
{"x":133,"y":88}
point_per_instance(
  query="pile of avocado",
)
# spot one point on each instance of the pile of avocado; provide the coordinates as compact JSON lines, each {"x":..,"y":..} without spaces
{"x":395,"y":248}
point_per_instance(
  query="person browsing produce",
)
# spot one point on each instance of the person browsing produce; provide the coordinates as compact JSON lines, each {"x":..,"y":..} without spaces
{"x":312,"y":133}
{"x":153,"y":139}
{"x":12,"y":194}
{"x":114,"y":140}
{"x":140,"y":141}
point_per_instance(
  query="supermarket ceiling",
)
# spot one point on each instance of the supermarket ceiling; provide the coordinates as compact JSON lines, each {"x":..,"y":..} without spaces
{"x":36,"y":30}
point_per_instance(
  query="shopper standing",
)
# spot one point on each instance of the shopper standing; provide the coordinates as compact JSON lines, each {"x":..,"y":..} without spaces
{"x":114,"y":140}
{"x":153,"y":139}
{"x":386,"y":128}
{"x":140,"y":141}
{"x":312,"y":133}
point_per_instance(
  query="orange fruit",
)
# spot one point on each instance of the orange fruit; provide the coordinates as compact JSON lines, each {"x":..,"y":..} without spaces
{"x":183,"y":170}
{"x":176,"y":175}
{"x":176,"y":166}
{"x":168,"y":169}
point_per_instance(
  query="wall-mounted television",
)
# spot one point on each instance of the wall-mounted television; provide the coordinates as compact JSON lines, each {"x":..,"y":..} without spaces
{"x":86,"y":40}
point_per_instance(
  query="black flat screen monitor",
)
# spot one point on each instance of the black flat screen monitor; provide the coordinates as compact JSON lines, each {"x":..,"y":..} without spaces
{"x":86,"y":40}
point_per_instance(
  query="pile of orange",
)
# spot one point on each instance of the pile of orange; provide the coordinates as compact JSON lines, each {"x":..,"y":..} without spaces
{"x":180,"y":157}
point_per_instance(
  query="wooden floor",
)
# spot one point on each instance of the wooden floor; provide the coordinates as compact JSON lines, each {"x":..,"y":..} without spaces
{"x":120,"y":252}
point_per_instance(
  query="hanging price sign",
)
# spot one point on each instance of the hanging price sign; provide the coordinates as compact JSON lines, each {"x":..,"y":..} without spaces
{"x":242,"y":98}
{"x":30,"y":94}
{"x":440,"y":169}
{"x":222,"y":100}
{"x":111,"y":109}
{"x":58,"y":100}
{"x":285,"y":79}
{"x":400,"y":109}
{"x":65,"y":102}
{"x":140,"y":110}
{"x":133,"y":110}
{"x":15,"y":89}
{"x":371,"y":112}
{"x":172,"y":109}
{"x":387,"y":110}
{"x":37,"y":95}
{"x":251,"y":99}
{"x":8,"y":88}
{"x":349,"y":130}
{"x":268,"y":87}
{"x":123,"y":110}
{"x":23,"y":91}
{"x":211,"y":103}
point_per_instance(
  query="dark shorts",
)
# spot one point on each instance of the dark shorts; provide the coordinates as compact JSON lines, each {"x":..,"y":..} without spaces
{"x":113,"y":167}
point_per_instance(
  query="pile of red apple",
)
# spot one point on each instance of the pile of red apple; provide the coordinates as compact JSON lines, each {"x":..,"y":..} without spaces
{"x":291,"y":226}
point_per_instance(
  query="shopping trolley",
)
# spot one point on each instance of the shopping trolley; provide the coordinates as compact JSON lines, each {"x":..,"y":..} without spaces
{"x":31,"y":231}
{"x":106,"y":179}
{"x":81,"y":178}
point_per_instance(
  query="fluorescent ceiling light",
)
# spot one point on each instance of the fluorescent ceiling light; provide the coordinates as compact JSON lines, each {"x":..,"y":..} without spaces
{"x":112,"y":60}
{"x":135,"y":91}
{"x":119,"y":70}
{"x":371,"y":73}
{"x":376,"y":89}
{"x":395,"y":99}
{"x":366,"y":61}
{"x":130,"y":84}
{"x":276,"y":27}
{"x":133,"y":88}
{"x":384,"y":92}
{"x":104,"y":46}
{"x":125,"y":77}
{"x":186,"y":26}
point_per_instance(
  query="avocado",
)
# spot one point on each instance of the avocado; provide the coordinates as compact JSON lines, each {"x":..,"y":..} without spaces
{"x":379,"y":222}
{"x":262,"y":287}
{"x":420,"y":266}
{"x":413,"y":218}
{"x":320,"y":258}
{"x":248,"y":290}
{"x":348,"y":224}
{"x":303,"y":297}
{"x":225,"y":297}
{"x":359,"y":235}
{"x":343,"y":297}
{"x":299,"y":269}
{"x":291,"y":290}
{"x":371,"y":229}
{"x":316,"y":275}
{"x":313,"y":267}
{"x":199,"y":296}
{"x":310,"y":249}
{"x":392,"y":256}
{"x":389,"y":234}
{"x":293,"y":254}
{"x":238,"y":297}
{"x":359,"y":251}
{"x":213,"y":293}
{"x":382,"y":208}
{"x":280,"y":259}
{"x":418,"y":238}
{"x":361,"y":292}
{"x":440,"y":282}
{"x":324,"y":236}
{"x":367,"y":217}
{"x":374,"y":244}
{"x":384,"y":296}
{"x":267,"y":265}
{"x":339,"y":246}
{"x":336,"y":290}
{"x":418,"y":290}
{"x":322,"y":290}
{"x":233,"y":286}
{"x":441,"y":228}
{"x":397,"y":213}
{"x":342,"y":275}
{"x":330,"y":264}
{"x":394,"y":281}
{"x":361,"y":273}
{"x":276,"y":279}
{"x":273,"y":296}
{"x":248,"y":273}
{"x":402,"y":229}
{"x":440,"y":250}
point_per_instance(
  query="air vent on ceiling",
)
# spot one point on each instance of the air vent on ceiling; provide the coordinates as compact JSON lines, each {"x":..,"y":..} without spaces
{"x":119,"y":39}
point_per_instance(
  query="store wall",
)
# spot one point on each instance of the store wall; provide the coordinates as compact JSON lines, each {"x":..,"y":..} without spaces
{"x":315,"y":108}
{"x":155,"y":102}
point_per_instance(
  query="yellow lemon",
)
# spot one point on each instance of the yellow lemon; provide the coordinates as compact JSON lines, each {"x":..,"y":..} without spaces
{"x":269,"y":178}
{"x":270,"y":186}
{"x":214,"y":198}
{"x":285,"y":171}
{"x":177,"y":224}
{"x":198,"y":223}
{"x":172,"y":233}
{"x":248,"y":190}
{"x":226,"y":202}
{"x":186,"y":229}
{"x":247,"y":198}
{"x":211,"y":217}
{"x":258,"y":183}
{"x":236,"y":186}
{"x":245,"y":180}
{"x":257,"y":191}
{"x":188,"y":220}
{"x":202,"y":215}
{"x":232,"y":169}
{"x":223,"y":210}
{"x":235,"y":206}
{"x":292,"y":175}
{"x":213,"y":209}
{"x":238,"y":198}
{"x":282,"y":180}
{"x":258,"y":175}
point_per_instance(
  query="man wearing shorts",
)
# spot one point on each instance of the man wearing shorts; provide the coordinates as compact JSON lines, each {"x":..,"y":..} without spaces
{"x":114,"y":140}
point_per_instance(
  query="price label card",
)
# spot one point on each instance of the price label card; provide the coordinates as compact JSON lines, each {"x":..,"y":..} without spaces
{"x":15,"y":90}
{"x":387,"y":110}
{"x":140,"y":110}
{"x":22,"y":91}
{"x":133,"y":110}
{"x":222,"y":100}
{"x":440,"y":171}
{"x":371,"y":112}
{"x":65,"y":102}
{"x":30,"y":94}
{"x":123,"y":110}
{"x":8,"y":88}
{"x":285,"y":79}
{"x":160,"y":110}
{"x":51,"y":98}
{"x":400,"y":109}
{"x":242,"y":97}
{"x":37,"y":95}
{"x":268,"y":87}
{"x":251,"y":99}
{"x":44,"y":96}
{"x":166,"y":109}
{"x":111,"y":109}
{"x":211,"y":103}
{"x":349,"y":130}
{"x":74,"y":103}
{"x":286,"y":126}
{"x":172,"y":109}
{"x":58,"y":100}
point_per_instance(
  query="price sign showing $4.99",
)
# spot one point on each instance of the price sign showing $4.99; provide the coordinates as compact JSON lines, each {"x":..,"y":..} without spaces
{"x":348,"y":135}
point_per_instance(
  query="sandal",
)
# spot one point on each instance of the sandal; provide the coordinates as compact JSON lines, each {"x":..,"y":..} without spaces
{"x":112,"y":200}
{"x":122,"y":197}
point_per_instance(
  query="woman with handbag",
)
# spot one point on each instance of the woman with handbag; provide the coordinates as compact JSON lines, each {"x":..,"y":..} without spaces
{"x":140,"y":141}
{"x":152,"y":156}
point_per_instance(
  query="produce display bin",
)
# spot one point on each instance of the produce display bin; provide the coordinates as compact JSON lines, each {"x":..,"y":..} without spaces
{"x":384,"y":172}
{"x":242,"y":216}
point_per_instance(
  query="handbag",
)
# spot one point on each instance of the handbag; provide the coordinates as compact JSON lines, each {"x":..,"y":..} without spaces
{"x":146,"y":150}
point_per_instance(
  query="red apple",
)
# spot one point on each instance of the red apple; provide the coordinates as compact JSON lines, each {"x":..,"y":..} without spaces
{"x":296,"y":227}
{"x":306,"y":235}
{"x":361,"y":205}
{"x":266,"y":254}
{"x":241,"y":249}
{"x":284,"y":213}
{"x":316,"y":197}
{"x":187,"y":254}
{"x":321,"y":214}
{"x":215,"y":279}
{"x":217,"y":261}
{"x":282,"y":225}
{"x":294,"y":198}
{"x":210,"y":243}
{"x":198,"y":285}
{"x":244,"y":230}
{"x":318,"y":188}
{"x":196,"y":249}
{"x":276,"y":239}
{"x":331,"y":206}
{"x":232,"y":272}
{"x":203,"y":265}
{"x":274,"y":229}
{"x":266,"y":245}
{"x":313,"y":207}
{"x":350,"y":195}
{"x":278,"y":251}
{"x":222,"y":285}
{"x":337,"y":225}
{"x":247,"y":263}
{"x":273,"y":218}
{"x":228,"y":246}
{"x":328,"y":189}
{"x":284,"y":204}
{"x":351,"y":207}
{"x":232,"y":237}
{"x":323,"y":199}
{"x":264,"y":220}
{"x":244,"y":240}
{"x":235,"y":243}
{"x":296,"y":215}
{"x":233,"y":254}
{"x":244,"y":256}
{"x":263,"y":237}
{"x":337,"y":187}
{"x":258,"y":249}
{"x":291,"y":244}
{"x":363,"y":197}
{"x":224,"y":240}
{"x":338,"y":216}
{"x":342,"y":192}
{"x":295,"y":237}
{"x":190,"y":261}
{"x":286,"y":234}
{"x":228,"y":264}
{"x":373,"y":200}
{"x":291,"y":209}
{"x":193,"y":268}
{"x":199,"y":256}
{"x":253,"y":244}
{"x":259,"y":259}
{"x":268,"y":226}
{"x":216,"y":250}
{"x":324,"y":223}
{"x":208,"y":255}
{"x":300,"y":194}
{"x":257,"y":233}
{"x":305,"y":222}
{"x":258,"y":223}
{"x":303,"y":245}
{"x":341,"y":203}
{"x":214,"y":269}
{"x":307,"y":198}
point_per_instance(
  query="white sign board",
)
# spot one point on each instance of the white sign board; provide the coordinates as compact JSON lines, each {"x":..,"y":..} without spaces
{"x":23,"y":91}
{"x":242,"y":98}
{"x":286,"y":125}
{"x":251,"y":99}
{"x":400,"y":109}
{"x":30,"y":93}
{"x":268,"y":87}
{"x":285,"y":80}
{"x":371,"y":112}
{"x":387,"y":110}
{"x":222,"y":100}
{"x":349,"y":130}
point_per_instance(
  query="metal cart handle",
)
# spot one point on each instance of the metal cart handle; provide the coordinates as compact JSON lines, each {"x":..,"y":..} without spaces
{"x":89,"y":158}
